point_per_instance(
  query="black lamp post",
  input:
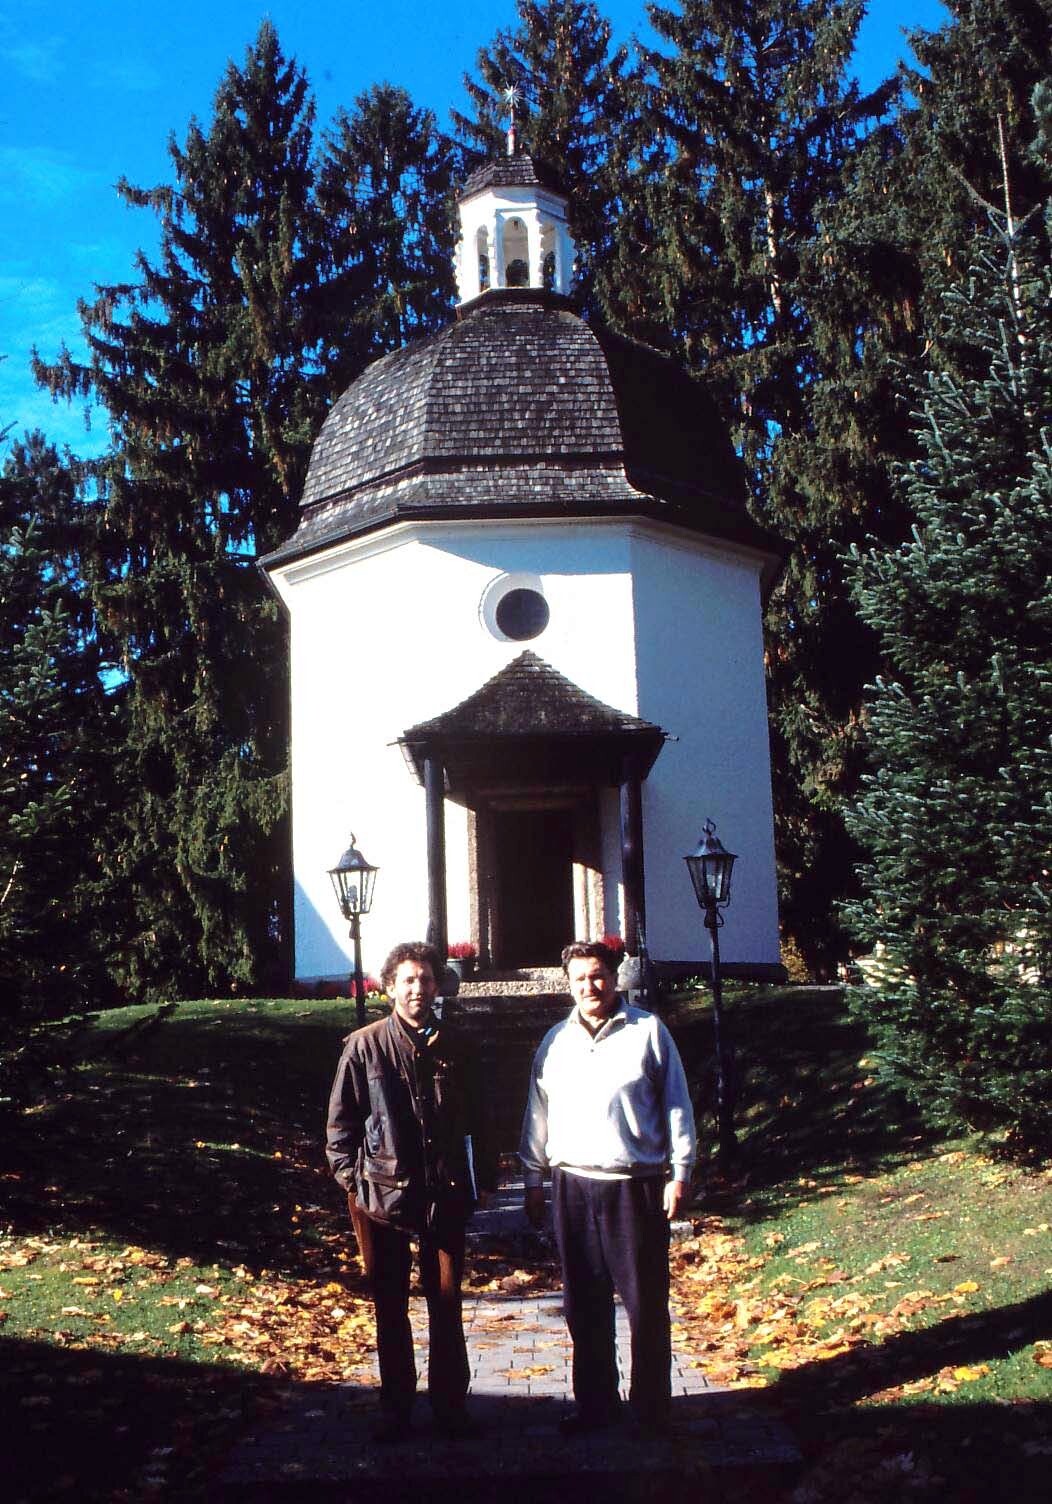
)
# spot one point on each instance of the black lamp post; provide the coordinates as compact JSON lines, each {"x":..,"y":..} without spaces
{"x":710,"y":867}
{"x":353,"y":880}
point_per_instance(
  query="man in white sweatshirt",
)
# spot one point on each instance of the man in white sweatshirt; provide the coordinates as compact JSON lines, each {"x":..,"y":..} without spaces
{"x":610,"y":1115}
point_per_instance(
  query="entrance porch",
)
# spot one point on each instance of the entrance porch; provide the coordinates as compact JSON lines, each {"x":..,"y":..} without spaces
{"x":553,"y":853}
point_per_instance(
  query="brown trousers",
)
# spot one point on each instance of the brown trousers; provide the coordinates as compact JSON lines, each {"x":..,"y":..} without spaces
{"x":387,"y":1257}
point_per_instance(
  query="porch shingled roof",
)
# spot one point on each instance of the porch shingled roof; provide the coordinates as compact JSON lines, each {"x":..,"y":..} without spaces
{"x":529,"y":702}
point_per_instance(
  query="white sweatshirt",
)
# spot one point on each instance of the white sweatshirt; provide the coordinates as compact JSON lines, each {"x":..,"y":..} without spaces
{"x":613,"y":1103}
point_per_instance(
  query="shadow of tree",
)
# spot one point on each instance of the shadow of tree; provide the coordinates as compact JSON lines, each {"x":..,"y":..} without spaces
{"x":807,"y":1109}
{"x":201,"y":1138}
{"x":962,"y":1451}
{"x":97,"y":1426}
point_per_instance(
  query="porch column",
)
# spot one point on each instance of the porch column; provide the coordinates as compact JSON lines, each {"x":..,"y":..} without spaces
{"x":632,"y":853}
{"x":434,"y":799}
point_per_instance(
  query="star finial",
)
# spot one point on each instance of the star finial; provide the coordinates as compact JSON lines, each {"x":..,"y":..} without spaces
{"x":511,"y":96}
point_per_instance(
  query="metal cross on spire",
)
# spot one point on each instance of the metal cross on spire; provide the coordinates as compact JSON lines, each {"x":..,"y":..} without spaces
{"x":511,"y":96}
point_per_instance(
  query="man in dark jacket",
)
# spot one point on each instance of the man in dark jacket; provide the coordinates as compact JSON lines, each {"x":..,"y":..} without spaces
{"x":403,"y":1136}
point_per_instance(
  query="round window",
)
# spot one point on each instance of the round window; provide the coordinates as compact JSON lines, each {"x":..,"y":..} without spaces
{"x":522,"y":614}
{"x":513,"y":607}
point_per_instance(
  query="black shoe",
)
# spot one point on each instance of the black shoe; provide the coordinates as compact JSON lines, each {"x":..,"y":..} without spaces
{"x":581,"y":1423}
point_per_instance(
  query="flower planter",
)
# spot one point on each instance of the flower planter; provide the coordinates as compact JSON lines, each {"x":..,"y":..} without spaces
{"x":461,"y":958}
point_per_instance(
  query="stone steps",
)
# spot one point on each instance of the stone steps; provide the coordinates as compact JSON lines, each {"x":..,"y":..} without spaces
{"x":507,"y":1027}
{"x":524,"y":982}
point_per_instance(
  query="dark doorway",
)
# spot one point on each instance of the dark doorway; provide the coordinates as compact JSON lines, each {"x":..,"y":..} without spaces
{"x":534,"y":851}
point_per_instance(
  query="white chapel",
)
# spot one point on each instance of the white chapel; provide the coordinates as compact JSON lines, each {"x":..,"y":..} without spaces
{"x":525,"y":604}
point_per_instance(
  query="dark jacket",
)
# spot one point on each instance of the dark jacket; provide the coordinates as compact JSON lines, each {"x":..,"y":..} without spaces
{"x":400,"y":1115}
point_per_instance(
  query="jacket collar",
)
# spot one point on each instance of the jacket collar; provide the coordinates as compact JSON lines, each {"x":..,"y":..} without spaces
{"x":618,"y":1017}
{"x":413,"y":1038}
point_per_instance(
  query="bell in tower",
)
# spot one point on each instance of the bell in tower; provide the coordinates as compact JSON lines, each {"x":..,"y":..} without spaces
{"x":513,"y":229}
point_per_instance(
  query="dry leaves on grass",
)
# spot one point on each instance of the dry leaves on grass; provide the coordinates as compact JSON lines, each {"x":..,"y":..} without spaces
{"x":295,"y":1326}
{"x":744,"y":1330}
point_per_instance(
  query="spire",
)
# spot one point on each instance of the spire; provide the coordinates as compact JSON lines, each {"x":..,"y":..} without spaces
{"x":511,"y":99}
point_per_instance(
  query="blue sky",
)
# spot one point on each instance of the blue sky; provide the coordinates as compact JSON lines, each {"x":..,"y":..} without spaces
{"x":92,"y":92}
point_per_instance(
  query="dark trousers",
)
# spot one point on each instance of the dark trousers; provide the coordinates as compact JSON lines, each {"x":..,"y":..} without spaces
{"x":386,"y":1254}
{"x":613,"y":1235}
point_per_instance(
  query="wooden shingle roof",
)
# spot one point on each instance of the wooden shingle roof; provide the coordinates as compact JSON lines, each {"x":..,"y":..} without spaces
{"x":520,"y":409}
{"x":527,"y":718}
{"x":519,"y":171}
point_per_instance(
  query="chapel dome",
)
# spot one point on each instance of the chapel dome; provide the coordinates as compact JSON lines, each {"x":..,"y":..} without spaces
{"x":519,"y":408}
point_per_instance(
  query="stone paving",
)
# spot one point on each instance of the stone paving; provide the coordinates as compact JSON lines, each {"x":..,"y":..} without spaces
{"x":520,"y":1388}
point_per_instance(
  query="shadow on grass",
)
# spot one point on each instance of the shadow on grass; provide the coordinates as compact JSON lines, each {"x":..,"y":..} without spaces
{"x":200,"y":1137}
{"x":100,"y":1426}
{"x":966,"y":1451}
{"x":87,"y":1425}
{"x":808,"y":1109}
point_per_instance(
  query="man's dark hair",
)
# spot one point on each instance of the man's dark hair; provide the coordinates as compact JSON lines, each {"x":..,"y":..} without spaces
{"x":590,"y":950}
{"x":410,"y":950}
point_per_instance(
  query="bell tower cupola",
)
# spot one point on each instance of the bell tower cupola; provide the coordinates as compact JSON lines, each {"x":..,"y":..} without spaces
{"x":513,"y":229}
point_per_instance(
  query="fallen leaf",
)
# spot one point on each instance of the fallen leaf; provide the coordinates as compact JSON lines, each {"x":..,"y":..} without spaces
{"x":889,"y":1261}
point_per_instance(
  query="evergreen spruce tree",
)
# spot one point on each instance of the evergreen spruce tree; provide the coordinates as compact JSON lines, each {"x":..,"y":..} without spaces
{"x":208,"y":367}
{"x":916,"y":191}
{"x":956,"y":817}
{"x":571,"y":101}
{"x":829,"y":486}
{"x":747,"y":122}
{"x":385,"y":189}
{"x":57,"y":729}
{"x":730,"y":254}
{"x":35,"y":800}
{"x":966,"y":125}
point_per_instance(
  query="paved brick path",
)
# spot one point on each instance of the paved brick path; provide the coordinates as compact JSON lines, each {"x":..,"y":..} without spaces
{"x":520,"y":1387}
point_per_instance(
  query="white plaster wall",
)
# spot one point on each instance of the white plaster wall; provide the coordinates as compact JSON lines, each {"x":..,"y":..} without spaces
{"x":388,"y":632}
{"x":699,"y":651}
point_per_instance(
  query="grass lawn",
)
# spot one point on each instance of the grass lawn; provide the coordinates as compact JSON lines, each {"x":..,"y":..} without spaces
{"x":886,"y":1291}
{"x":171,"y":1247}
{"x":173,"y":1259}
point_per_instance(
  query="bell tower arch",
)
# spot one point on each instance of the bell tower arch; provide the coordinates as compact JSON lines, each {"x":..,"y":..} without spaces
{"x":514,"y":231}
